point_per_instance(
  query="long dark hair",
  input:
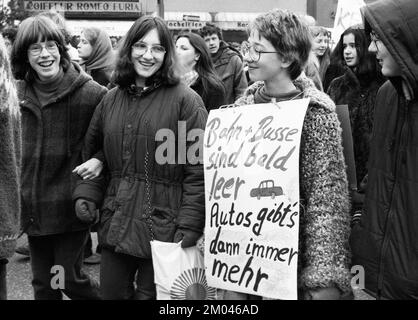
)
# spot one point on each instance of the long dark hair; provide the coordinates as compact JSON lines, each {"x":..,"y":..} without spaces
{"x":366,"y":61}
{"x":204,"y":66}
{"x":125,"y":73}
{"x":28,"y":33}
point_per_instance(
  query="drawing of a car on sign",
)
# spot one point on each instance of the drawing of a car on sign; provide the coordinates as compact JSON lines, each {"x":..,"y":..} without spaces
{"x":266,"y":189}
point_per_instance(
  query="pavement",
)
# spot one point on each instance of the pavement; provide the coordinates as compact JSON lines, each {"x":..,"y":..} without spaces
{"x":19,"y":276}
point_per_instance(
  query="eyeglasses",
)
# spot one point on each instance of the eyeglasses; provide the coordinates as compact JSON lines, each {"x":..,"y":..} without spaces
{"x":141,"y":47}
{"x":36,"y":48}
{"x":374,"y":38}
{"x":253,"y":52}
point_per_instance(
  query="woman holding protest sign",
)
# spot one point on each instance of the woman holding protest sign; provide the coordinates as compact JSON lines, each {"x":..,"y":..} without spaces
{"x":278,"y":48}
{"x":151,"y":193}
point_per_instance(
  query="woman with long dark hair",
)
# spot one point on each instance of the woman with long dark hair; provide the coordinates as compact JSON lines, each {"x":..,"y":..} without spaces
{"x":198,"y":71}
{"x":358,"y":88}
{"x":149,"y":194}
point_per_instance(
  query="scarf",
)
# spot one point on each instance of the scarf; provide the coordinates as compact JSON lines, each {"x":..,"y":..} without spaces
{"x":102,"y":55}
{"x":261,"y":96}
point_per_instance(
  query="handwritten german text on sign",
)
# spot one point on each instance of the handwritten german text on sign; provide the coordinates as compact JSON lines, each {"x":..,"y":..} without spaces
{"x":251,"y":161}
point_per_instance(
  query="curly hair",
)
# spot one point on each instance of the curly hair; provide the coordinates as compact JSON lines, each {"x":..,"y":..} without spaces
{"x":210,"y":29}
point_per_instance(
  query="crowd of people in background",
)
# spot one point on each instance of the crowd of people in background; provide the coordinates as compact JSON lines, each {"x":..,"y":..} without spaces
{"x":78,"y":149}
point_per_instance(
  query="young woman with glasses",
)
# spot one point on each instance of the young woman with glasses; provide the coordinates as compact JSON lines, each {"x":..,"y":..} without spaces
{"x":279,"y":46}
{"x":57,"y":101}
{"x":150,"y":193}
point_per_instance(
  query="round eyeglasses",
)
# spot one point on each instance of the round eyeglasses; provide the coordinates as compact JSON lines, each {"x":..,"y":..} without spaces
{"x":35,"y":49}
{"x":375,"y":39}
{"x":141,"y":47}
{"x":253,"y":52}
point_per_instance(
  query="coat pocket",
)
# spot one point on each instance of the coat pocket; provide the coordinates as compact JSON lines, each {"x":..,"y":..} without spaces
{"x":163,"y":216}
{"x":164,"y":223}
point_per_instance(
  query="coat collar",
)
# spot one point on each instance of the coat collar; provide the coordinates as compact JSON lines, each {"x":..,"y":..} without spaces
{"x":304,"y":84}
{"x":74,"y":77}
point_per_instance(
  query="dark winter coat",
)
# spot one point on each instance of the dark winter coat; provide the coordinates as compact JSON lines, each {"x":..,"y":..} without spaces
{"x":385,"y":240}
{"x":124,"y":126}
{"x":359,"y":93}
{"x":212,"y":99}
{"x":10,"y":158}
{"x":101,"y":76}
{"x":52,"y":142}
{"x":229,"y":67}
{"x":334,"y":70}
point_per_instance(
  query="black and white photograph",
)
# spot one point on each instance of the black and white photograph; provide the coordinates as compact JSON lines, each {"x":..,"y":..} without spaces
{"x":236,"y":153}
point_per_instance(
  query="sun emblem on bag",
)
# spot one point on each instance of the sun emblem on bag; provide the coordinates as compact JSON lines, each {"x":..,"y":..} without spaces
{"x":192,"y":285}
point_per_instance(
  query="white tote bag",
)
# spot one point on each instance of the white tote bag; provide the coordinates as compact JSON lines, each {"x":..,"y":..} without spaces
{"x":179,"y":273}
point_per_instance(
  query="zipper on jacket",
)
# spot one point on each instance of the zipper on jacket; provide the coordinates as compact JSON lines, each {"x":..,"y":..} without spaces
{"x":385,"y":242}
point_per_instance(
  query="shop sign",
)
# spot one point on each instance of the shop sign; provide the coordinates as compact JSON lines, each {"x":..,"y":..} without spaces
{"x":172,"y":24}
{"x":83,"y":6}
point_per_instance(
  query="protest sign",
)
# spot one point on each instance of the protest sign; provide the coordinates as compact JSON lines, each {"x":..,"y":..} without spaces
{"x":347,"y":15}
{"x":251,"y":162}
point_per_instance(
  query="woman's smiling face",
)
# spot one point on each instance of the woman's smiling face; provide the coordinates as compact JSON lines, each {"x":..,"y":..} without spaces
{"x":147,"y":63}
{"x":44,"y":58}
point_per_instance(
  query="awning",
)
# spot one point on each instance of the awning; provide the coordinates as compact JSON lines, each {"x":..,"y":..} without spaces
{"x":186,"y":20}
{"x":235,"y":20}
{"x":113,"y":28}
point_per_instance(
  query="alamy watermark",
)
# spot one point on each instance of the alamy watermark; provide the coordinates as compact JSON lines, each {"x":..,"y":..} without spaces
{"x":357,"y":281}
{"x":58,"y":278}
{"x":189,"y":145}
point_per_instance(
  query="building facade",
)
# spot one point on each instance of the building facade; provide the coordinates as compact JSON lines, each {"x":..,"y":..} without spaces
{"x":232,"y":16}
{"x":117,"y":16}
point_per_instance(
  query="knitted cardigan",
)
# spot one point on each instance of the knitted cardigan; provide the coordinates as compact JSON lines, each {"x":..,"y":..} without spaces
{"x":10,"y":157}
{"x":324,"y":255}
